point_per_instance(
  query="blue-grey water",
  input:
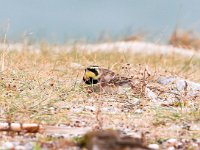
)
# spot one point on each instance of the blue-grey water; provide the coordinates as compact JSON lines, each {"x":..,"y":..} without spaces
{"x":62,"y":20}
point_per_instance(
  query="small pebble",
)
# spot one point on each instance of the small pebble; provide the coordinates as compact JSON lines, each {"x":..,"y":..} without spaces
{"x":90,"y":108}
{"x":77,"y":110}
{"x":153,"y":146}
{"x":75,"y":65}
{"x":194,"y":128}
{"x":19,"y":147}
{"x":8,"y":145}
{"x":179,"y":145}
{"x":138,"y":111}
{"x":171,"y":148}
{"x":172,"y":140}
{"x":195,"y":145}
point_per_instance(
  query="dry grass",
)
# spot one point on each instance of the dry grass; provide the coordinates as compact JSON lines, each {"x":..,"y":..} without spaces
{"x":46,"y":88}
{"x":186,"y":39}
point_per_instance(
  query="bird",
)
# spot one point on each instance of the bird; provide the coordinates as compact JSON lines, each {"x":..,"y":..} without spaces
{"x":96,"y":75}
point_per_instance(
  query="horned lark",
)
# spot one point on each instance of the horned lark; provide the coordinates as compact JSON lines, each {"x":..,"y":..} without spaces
{"x":95,"y":75}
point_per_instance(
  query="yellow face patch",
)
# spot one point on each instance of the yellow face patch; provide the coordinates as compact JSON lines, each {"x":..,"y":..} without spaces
{"x":90,"y":74}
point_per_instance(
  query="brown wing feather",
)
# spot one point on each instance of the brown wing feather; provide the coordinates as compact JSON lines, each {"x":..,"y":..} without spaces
{"x":108,"y":77}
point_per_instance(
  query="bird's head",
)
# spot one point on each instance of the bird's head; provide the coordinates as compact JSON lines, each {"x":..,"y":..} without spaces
{"x":91,"y":75}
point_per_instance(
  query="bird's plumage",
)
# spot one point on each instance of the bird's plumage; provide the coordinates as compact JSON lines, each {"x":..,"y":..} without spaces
{"x":105,"y":77}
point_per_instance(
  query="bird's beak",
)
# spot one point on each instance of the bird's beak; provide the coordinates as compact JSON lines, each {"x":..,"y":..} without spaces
{"x":85,"y":79}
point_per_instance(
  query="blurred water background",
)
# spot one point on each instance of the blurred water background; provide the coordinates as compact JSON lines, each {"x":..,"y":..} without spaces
{"x":58,"y":21}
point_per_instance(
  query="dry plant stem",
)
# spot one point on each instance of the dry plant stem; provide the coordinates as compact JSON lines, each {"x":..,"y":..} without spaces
{"x":99,"y":119}
{"x":4,"y":50}
{"x":20,"y":127}
{"x":2,"y":61}
{"x":36,"y":128}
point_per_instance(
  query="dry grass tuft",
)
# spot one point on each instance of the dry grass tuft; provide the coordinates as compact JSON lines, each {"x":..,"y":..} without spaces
{"x":185,"y":39}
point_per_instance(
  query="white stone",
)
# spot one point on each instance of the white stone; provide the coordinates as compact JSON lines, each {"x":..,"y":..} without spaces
{"x":136,"y":101}
{"x":52,"y":108}
{"x":180,"y":84}
{"x":138,"y":111}
{"x":77,"y":110}
{"x":195,"y":128}
{"x":195,"y":145}
{"x":110,"y":110}
{"x":198,"y":140}
{"x":90,"y":108}
{"x":151,"y":95}
{"x":8,"y":145}
{"x":172,"y":140}
{"x":171,"y":148}
{"x":19,"y":147}
{"x":153,"y":146}
{"x":76,"y":65}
